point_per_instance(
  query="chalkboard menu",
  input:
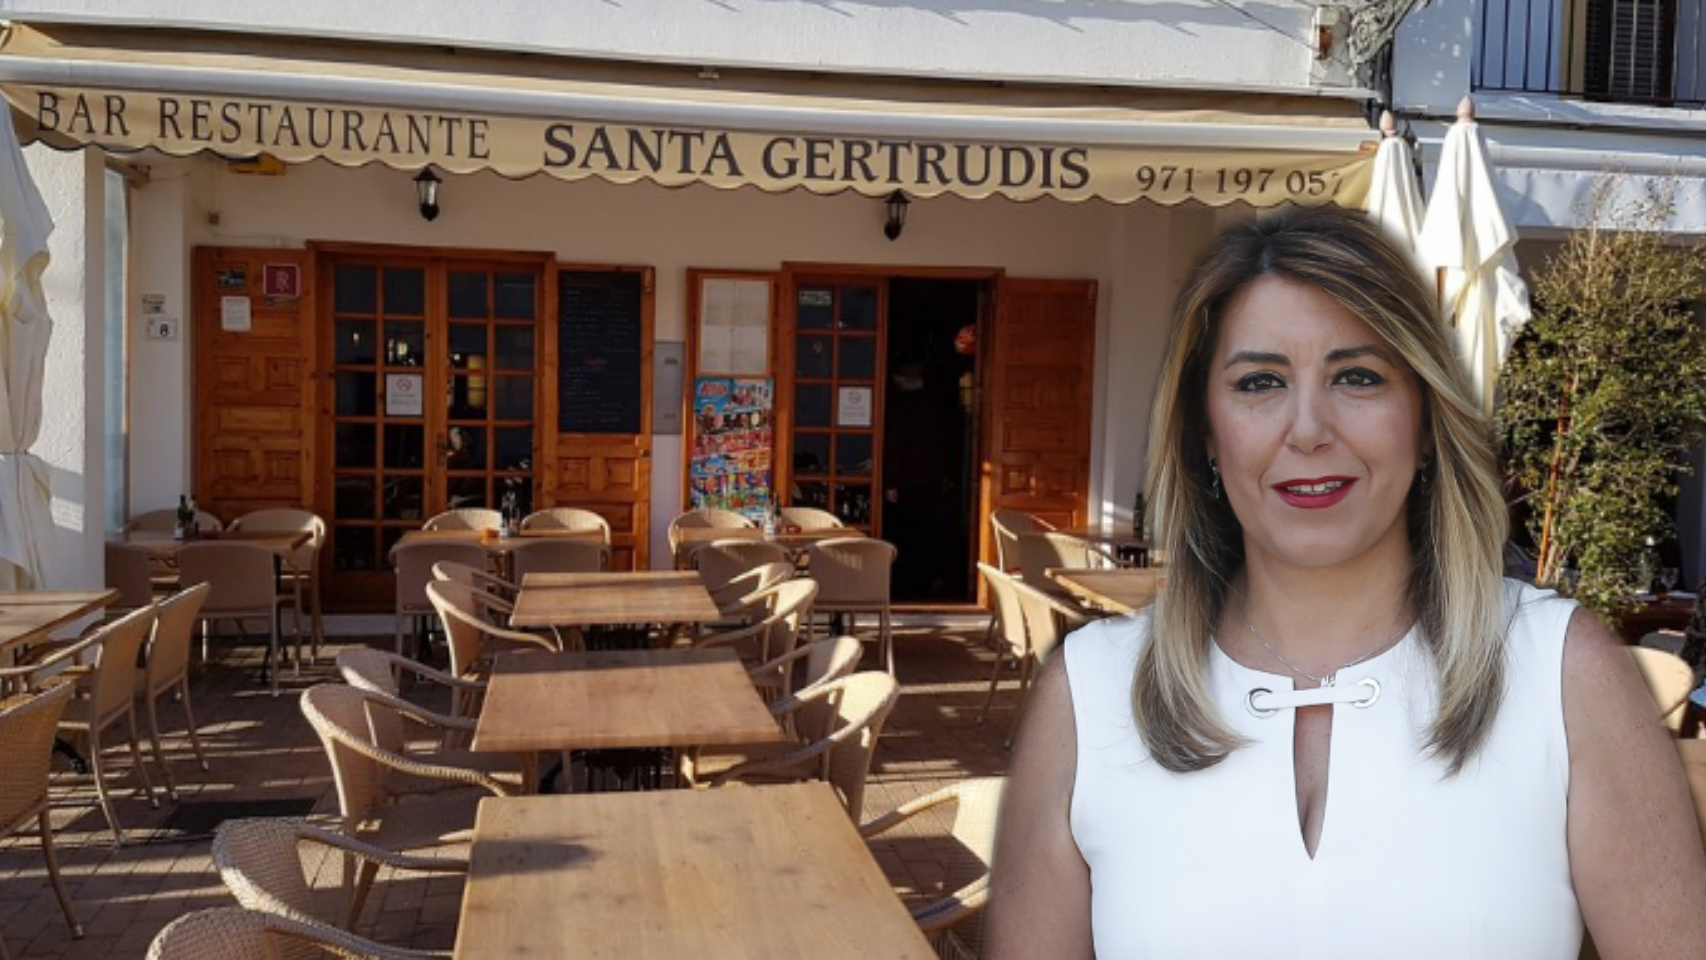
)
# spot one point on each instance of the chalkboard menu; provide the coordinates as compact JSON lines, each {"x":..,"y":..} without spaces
{"x":600,"y":352}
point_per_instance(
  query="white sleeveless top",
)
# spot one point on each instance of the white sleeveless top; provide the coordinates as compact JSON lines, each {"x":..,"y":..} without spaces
{"x":1411,"y":862}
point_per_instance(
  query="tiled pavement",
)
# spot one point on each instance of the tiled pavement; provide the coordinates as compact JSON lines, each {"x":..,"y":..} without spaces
{"x":262,"y":747}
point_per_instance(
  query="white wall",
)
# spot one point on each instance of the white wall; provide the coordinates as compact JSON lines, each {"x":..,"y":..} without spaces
{"x":1135,"y":253}
{"x":160,"y":385}
{"x":1177,"y":42}
{"x":73,"y":392}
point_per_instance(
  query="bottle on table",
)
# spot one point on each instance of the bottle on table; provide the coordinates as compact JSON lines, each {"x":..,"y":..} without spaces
{"x":185,"y":520}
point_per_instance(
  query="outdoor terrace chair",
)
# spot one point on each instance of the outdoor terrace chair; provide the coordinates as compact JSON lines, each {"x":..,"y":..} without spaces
{"x":262,"y":865}
{"x":167,"y":670}
{"x":301,"y":566}
{"x":472,"y":638}
{"x":810,"y":518}
{"x":415,"y":563}
{"x":364,"y":776}
{"x":383,"y":672}
{"x":232,"y":933}
{"x":243,"y":582}
{"x":736,"y":597}
{"x":860,"y":705}
{"x":500,"y":593}
{"x":566,"y":518}
{"x":721,"y":561}
{"x":557,"y":556}
{"x":853,"y":576}
{"x":1007,"y":525}
{"x":1668,"y":680}
{"x":977,"y":805}
{"x":465,"y":518}
{"x":1015,"y":642}
{"x":823,"y":661}
{"x":787,"y":608}
{"x":107,"y":696}
{"x":130,"y":571}
{"x":27,"y":724}
{"x":703,"y":518}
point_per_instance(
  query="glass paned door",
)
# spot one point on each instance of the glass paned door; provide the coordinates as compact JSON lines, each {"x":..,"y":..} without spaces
{"x":837,"y":400}
{"x":433,"y":365}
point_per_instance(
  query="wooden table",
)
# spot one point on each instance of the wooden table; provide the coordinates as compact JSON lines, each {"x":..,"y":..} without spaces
{"x":611,"y":599}
{"x":621,"y":699}
{"x":495,"y":545}
{"x":1124,"y":591}
{"x":726,"y":874}
{"x":689,"y":539}
{"x":163,"y":546}
{"x":32,"y":615}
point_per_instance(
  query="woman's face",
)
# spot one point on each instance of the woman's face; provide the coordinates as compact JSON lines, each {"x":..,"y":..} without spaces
{"x":1317,"y":427}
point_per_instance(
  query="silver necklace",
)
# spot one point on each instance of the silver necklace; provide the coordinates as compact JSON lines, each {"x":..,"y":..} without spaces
{"x":1326,"y":681}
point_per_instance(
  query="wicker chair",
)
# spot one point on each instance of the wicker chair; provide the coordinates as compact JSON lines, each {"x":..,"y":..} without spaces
{"x":130,"y":571}
{"x":1007,"y":525}
{"x":27,"y":723}
{"x":1039,"y":552}
{"x":415,"y":563}
{"x":566,"y":518}
{"x":1009,"y":629}
{"x":977,"y":808}
{"x":230,"y":933}
{"x":787,"y":608}
{"x":244,"y":585}
{"x":472,"y":638}
{"x":365,"y":776}
{"x":557,"y":556}
{"x":390,"y":716}
{"x":735,"y":599}
{"x":703,"y":518}
{"x":302,"y":565}
{"x":853,"y":575}
{"x":466,"y":518}
{"x":109,"y":696}
{"x":500,"y":593}
{"x":720,"y":561}
{"x":810,"y":518}
{"x":824,"y":661}
{"x":858,"y":706}
{"x":167,"y":670}
{"x":382,"y":672}
{"x":260,"y":861}
{"x":1668,"y":679}
{"x":166,"y":521}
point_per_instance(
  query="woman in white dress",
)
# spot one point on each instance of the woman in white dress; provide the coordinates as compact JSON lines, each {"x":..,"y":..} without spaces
{"x":1338,"y":733}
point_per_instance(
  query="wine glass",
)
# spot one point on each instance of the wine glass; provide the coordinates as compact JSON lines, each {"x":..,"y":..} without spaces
{"x":1667,"y":578}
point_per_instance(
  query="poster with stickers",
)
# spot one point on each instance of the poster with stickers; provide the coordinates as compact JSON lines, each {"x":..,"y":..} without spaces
{"x":732,"y":436}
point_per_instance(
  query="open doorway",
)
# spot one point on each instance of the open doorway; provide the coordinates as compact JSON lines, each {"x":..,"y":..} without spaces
{"x":930,"y":437}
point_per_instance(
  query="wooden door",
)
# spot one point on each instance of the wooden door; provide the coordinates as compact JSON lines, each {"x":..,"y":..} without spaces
{"x":1040,"y":364}
{"x":598,"y":402}
{"x":254,"y":391}
{"x":430,"y":399}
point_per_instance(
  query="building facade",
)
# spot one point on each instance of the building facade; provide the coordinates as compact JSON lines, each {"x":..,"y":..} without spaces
{"x":659,"y":269}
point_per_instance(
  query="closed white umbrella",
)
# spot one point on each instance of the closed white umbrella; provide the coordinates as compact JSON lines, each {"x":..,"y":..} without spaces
{"x":25,"y":497}
{"x":1467,"y":240}
{"x":1394,"y":197}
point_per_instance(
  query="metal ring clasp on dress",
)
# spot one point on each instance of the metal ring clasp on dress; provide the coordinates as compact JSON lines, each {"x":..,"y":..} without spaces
{"x":1250,"y":704}
{"x":1368,"y":701}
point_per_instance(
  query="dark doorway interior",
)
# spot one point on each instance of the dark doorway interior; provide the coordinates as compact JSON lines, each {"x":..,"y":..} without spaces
{"x":929,"y":438}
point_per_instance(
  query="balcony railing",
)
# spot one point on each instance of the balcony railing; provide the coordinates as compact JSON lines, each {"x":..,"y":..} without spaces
{"x":1623,"y":51}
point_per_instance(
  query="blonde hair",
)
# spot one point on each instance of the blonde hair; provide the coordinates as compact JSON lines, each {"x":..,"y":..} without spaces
{"x":1455,"y":516}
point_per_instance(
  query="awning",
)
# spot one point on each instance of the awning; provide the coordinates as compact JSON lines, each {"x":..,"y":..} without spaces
{"x":183,"y":93}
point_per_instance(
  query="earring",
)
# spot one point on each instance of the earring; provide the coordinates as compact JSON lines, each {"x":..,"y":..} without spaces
{"x":1214,"y":484}
{"x":1425,"y":475}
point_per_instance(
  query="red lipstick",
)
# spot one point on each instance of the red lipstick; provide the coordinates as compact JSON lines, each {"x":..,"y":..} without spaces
{"x":1314,"y":493}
